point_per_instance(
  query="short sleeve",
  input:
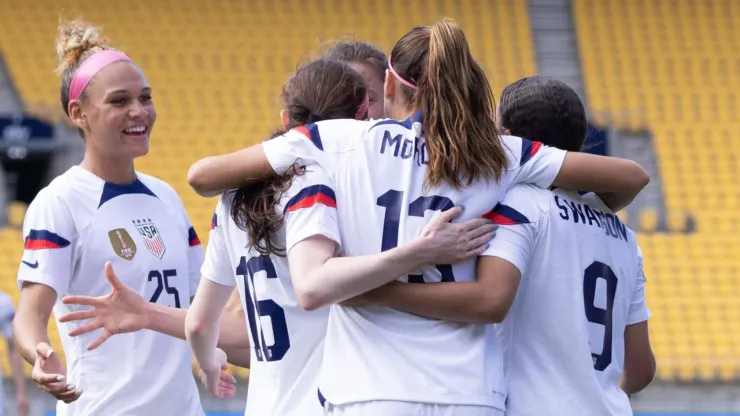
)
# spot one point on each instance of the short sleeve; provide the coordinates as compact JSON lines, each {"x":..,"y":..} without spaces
{"x":538,"y":164}
{"x":303,"y":144}
{"x":195,"y":258}
{"x":49,"y":243}
{"x":514,"y":243}
{"x":195,"y":249}
{"x":639,"y":311}
{"x":217,"y":266}
{"x":311,"y":208}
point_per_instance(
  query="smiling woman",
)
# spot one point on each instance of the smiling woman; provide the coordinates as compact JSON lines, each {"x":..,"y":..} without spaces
{"x":101,"y":215}
{"x":107,"y":97}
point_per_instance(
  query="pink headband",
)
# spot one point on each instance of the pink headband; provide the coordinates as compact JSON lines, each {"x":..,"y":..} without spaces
{"x":90,"y":67}
{"x":361,"y":113}
{"x":403,"y":81}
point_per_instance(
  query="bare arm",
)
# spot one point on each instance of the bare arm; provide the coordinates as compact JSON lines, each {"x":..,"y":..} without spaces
{"x":124,"y":310}
{"x":321,"y":279}
{"x":241,"y":356}
{"x":201,"y":330}
{"x":171,"y":321}
{"x":214,"y":175}
{"x":32,"y":318}
{"x":486,"y":300}
{"x":617,"y":181}
{"x":639,"y":361}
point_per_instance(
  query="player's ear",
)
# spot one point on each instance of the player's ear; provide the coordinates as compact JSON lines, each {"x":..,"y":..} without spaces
{"x":388,"y":86}
{"x":284,"y":118}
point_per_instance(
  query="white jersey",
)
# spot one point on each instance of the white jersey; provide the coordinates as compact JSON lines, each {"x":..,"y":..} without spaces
{"x":378,"y":169}
{"x":582,"y":284}
{"x":7,"y":311}
{"x":287,"y":341}
{"x":72,"y":228}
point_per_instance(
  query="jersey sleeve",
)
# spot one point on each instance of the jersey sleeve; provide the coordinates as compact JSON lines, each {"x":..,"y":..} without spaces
{"x":49,"y":243}
{"x":314,"y":144}
{"x":537,"y":164}
{"x":639,"y":311}
{"x":217,"y":266}
{"x":311,"y":208}
{"x":302,"y":144}
{"x":519,"y":216}
{"x":195,"y":253}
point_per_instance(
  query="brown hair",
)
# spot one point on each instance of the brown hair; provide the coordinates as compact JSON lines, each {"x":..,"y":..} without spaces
{"x":456,"y":102}
{"x":321,"y":90}
{"x":544,"y":109}
{"x":359,"y":52}
{"x":77,"y":40}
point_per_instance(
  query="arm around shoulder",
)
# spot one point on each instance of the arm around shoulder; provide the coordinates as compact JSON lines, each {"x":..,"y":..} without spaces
{"x":617,"y":181}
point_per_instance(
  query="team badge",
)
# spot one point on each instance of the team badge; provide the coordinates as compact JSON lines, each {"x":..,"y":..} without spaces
{"x":152,"y":239}
{"x":123,"y":244}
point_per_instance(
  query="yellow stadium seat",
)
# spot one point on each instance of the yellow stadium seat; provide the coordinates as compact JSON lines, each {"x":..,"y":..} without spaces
{"x":666,"y":67}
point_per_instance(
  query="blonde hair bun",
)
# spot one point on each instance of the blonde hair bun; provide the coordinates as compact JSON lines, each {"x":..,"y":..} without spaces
{"x":77,"y":39}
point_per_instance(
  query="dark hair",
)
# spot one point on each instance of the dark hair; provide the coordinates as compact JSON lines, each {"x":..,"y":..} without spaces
{"x":321,"y":90}
{"x":456,"y":103}
{"x":544,"y":109}
{"x":359,"y":52}
{"x":77,"y":40}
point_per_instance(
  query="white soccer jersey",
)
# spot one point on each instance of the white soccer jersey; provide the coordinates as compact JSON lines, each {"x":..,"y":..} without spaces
{"x":287,"y":341}
{"x":582,"y":284}
{"x":72,"y":228}
{"x":7,"y":311}
{"x":378,"y":169}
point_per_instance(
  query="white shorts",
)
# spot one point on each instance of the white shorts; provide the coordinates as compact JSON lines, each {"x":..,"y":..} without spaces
{"x":394,"y":408}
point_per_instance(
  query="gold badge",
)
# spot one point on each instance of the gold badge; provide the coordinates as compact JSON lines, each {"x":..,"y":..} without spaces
{"x":122,"y":243}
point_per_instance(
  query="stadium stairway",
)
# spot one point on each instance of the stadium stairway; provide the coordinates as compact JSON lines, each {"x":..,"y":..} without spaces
{"x":670,"y":67}
{"x":217,"y":67}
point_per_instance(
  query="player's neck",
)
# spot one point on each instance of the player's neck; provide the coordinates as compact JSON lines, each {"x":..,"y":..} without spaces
{"x":114,"y":171}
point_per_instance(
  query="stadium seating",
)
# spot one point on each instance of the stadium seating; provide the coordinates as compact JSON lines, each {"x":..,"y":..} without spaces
{"x":671,"y":67}
{"x":217,"y":67}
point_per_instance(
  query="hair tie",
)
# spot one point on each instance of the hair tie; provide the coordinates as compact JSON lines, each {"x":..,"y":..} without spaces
{"x":313,"y":118}
{"x":90,"y":67}
{"x":361,"y":113}
{"x":403,"y":81}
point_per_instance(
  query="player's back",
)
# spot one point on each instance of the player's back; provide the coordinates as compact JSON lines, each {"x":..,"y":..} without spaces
{"x":287,"y":341}
{"x":378,"y":170}
{"x":563,"y":338}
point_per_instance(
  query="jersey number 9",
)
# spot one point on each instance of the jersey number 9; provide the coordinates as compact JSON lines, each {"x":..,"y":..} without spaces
{"x":598,"y":315}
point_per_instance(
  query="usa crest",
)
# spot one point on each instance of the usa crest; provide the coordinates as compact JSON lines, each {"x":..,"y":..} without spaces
{"x":123,"y":244}
{"x":152,"y":239}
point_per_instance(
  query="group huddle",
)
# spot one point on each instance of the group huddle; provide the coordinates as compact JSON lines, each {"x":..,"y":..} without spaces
{"x":402,"y":246}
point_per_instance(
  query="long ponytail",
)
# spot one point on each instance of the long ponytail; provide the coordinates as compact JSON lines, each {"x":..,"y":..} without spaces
{"x":456,"y":103}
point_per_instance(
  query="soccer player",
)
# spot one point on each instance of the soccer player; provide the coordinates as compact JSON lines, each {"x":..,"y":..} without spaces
{"x":371,"y":63}
{"x":7,"y":311}
{"x":563,"y":277}
{"x":580,"y":267}
{"x":276,"y":215}
{"x":390,"y":177}
{"x":101,"y":213}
